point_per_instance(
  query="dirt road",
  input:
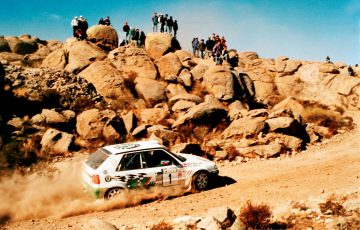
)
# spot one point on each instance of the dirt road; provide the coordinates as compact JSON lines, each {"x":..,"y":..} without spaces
{"x":310,"y":175}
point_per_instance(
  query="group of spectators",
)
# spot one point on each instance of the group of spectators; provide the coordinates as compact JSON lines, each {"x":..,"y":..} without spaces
{"x":80,"y":26}
{"x":133,"y":34}
{"x":167,"y":23}
{"x":105,"y":22}
{"x":349,"y":69}
{"x":214,"y":46}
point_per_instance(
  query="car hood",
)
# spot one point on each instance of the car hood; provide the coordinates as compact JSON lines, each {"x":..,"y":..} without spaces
{"x":190,"y":158}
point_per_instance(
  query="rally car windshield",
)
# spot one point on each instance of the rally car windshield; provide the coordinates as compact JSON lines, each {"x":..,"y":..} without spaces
{"x":96,"y":159}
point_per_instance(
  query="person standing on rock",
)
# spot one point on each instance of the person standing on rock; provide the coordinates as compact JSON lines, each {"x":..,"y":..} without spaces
{"x":155,"y":21}
{"x":169,"y":24}
{"x":126,"y":29}
{"x":350,"y":71}
{"x":217,"y":50}
{"x":101,"y":21}
{"x":209,"y":47}
{"x":202,"y":47}
{"x":107,"y":21}
{"x":75,"y":25}
{"x":162,"y":23}
{"x":142,"y":39}
{"x":195,"y":46}
{"x":83,"y":26}
{"x":175,"y":27}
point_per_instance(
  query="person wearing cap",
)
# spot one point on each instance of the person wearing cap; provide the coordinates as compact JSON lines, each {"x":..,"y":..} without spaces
{"x":107,"y":21}
{"x":75,"y":25}
{"x":83,"y":26}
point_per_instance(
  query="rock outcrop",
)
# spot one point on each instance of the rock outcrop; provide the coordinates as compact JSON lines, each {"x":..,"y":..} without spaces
{"x":105,"y":37}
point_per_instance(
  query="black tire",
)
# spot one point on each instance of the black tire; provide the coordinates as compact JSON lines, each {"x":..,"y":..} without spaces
{"x":200,"y":181}
{"x":113,"y":193}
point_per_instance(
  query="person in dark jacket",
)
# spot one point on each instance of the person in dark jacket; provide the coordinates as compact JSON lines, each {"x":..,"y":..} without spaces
{"x":175,"y":28}
{"x":209,"y":47}
{"x":126,"y":29}
{"x":170,"y":24}
{"x":162,"y":23}
{"x":202,"y":48}
{"x":107,"y":21}
{"x":101,"y":21}
{"x":142,"y":39}
{"x":350,"y":71}
{"x":83,"y":26}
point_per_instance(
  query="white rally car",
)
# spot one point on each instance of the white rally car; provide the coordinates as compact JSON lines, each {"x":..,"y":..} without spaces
{"x":113,"y":168}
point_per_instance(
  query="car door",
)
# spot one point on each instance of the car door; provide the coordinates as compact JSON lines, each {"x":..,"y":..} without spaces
{"x":132,"y":173}
{"x":166,"y":167}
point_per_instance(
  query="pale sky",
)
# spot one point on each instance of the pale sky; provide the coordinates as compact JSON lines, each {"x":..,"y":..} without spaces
{"x":305,"y":30}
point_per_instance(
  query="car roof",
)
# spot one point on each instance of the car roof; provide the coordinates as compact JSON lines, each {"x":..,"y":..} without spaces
{"x":131,"y":146}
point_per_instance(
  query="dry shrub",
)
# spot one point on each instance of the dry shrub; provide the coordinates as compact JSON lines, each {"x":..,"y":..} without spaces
{"x":162,"y":226}
{"x":323,"y":117}
{"x":232,"y":152}
{"x":255,"y":216}
{"x":334,"y":207}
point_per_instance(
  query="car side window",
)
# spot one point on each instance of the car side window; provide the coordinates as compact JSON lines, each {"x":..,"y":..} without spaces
{"x":158,"y":158}
{"x":130,"y":161}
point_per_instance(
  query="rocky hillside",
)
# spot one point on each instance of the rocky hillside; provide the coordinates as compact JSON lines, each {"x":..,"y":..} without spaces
{"x":58,"y":98}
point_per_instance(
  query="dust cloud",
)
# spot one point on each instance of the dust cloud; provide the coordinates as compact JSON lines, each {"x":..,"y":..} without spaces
{"x":60,"y":194}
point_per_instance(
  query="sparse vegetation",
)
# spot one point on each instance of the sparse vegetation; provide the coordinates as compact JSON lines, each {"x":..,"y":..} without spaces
{"x":232,"y":152}
{"x":255,"y":216}
{"x":323,"y":117}
{"x":162,"y":226}
{"x":331,"y":207}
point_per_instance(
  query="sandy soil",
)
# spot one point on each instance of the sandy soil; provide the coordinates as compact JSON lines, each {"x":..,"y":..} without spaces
{"x":310,"y":175}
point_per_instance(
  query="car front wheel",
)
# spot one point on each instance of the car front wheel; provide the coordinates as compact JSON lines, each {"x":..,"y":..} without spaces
{"x":113,"y":193}
{"x":200,"y":181}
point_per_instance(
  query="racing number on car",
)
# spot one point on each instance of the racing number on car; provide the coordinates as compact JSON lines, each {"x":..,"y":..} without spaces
{"x":170,"y":176}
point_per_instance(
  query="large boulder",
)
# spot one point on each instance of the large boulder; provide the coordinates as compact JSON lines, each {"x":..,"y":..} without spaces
{"x":56,"y":142}
{"x":153,"y":116}
{"x":158,"y":44}
{"x":168,"y":65}
{"x":131,"y":59}
{"x":21,"y":46}
{"x":4,"y":45}
{"x":56,"y":59}
{"x":198,"y":71}
{"x":52,"y":116}
{"x":265,"y":151}
{"x":245,"y":127}
{"x":208,"y":112}
{"x":95,"y":224}
{"x":105,"y":37}
{"x":186,"y":97}
{"x":81,"y":54}
{"x":150,"y":90}
{"x":219,"y":81}
{"x":108,"y":81}
{"x":13,"y":58}
{"x":93,"y":124}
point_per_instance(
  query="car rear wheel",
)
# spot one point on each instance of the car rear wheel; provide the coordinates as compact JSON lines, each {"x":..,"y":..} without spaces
{"x":113,"y":193}
{"x":200,"y":181}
